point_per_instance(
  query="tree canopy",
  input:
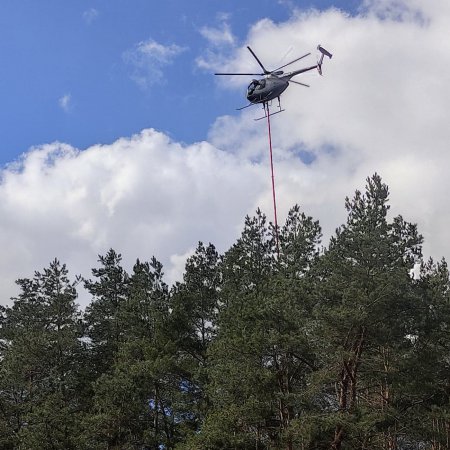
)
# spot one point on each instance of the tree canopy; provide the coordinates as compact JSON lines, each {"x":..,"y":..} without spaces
{"x":335,"y":347}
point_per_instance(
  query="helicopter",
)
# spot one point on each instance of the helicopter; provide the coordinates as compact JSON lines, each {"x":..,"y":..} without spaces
{"x":275,"y":82}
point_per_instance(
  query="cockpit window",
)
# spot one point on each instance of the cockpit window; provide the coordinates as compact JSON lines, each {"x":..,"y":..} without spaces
{"x":252,"y":87}
{"x":256,"y":84}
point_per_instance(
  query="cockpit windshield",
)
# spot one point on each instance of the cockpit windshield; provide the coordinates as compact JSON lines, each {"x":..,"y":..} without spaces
{"x":255,"y":84}
{"x":252,"y":87}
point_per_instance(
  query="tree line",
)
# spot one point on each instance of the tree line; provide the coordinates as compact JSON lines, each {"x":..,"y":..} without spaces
{"x":309,"y":347}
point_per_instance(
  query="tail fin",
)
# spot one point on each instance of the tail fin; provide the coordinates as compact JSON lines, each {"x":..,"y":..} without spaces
{"x":323,"y":53}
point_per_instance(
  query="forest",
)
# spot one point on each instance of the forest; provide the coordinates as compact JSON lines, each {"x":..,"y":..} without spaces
{"x":333,"y":347}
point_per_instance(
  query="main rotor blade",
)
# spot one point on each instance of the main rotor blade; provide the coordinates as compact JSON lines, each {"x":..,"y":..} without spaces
{"x":289,"y":63}
{"x":298,"y":82}
{"x":266,"y":72}
{"x":259,"y":74}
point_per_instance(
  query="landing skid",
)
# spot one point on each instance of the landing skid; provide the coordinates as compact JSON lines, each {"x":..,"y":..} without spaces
{"x":267,"y":113}
{"x":270,"y":114}
{"x":265,"y":107}
{"x":243,"y":107}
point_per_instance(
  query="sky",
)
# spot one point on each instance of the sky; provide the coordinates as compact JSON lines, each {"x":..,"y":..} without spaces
{"x":116,"y":134}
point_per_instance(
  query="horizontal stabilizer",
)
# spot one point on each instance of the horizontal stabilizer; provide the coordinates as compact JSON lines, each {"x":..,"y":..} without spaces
{"x":324,"y":52}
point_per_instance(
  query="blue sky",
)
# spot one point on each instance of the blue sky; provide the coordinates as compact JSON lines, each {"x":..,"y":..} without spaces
{"x":114,"y":131}
{"x":65,"y":75}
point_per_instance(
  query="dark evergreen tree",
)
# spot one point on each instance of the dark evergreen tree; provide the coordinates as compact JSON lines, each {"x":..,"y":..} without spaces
{"x":428,"y":362}
{"x":195,"y":304}
{"x":365,"y":314}
{"x":135,"y":403}
{"x":104,"y":326}
{"x":40,"y":389}
{"x":261,"y":357}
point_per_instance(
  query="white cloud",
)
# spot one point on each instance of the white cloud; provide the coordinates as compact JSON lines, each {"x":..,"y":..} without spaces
{"x":65,"y":102}
{"x":147,"y":59}
{"x":218,"y":36}
{"x":142,"y":196}
{"x":220,"y":41}
{"x":90,"y":15}
{"x":381,"y":106}
{"x":177,"y":264}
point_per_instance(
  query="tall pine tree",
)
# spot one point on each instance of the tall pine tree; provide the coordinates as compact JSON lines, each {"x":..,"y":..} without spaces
{"x":261,"y":357}
{"x":41,"y":393}
{"x":104,"y":325}
{"x":136,"y":401}
{"x":365,"y":309}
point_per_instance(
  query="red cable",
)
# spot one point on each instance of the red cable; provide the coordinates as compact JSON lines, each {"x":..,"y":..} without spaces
{"x":273,"y":180}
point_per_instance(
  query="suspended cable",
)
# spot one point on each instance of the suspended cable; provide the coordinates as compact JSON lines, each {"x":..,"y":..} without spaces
{"x":267,"y":112}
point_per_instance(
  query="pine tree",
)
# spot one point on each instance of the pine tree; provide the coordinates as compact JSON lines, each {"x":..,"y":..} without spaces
{"x":195,"y":304}
{"x":428,"y":363}
{"x":39,"y":382}
{"x":365,"y":313}
{"x":261,"y":358}
{"x":135,"y":402}
{"x":104,"y":327}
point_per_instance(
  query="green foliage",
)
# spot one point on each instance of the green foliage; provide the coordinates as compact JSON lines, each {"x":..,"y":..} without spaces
{"x":296,"y":347}
{"x":104,"y":326}
{"x":261,"y":358}
{"x":366,"y":311}
{"x":40,"y":392}
{"x":193,"y":321}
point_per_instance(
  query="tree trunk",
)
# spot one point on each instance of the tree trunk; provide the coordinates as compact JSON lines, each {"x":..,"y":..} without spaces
{"x":347,"y":392}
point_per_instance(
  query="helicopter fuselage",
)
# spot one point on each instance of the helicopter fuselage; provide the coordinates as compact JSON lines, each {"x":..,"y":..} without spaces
{"x":275,"y":82}
{"x":266,"y":89}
